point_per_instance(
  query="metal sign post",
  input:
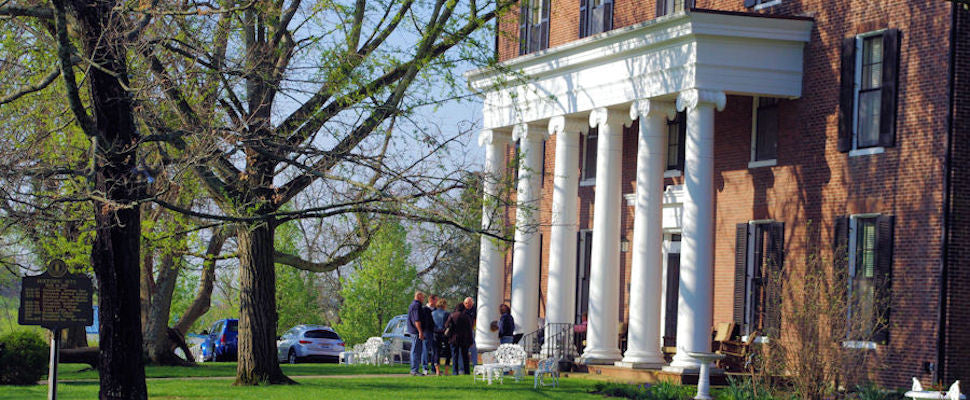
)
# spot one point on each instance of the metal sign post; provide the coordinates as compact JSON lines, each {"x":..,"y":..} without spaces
{"x":56,"y":300}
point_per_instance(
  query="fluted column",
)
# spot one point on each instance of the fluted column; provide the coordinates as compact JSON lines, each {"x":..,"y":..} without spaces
{"x":604,"y":283}
{"x":525,"y":261}
{"x":643,"y":344}
{"x":695,"y":305}
{"x":491,"y":261}
{"x":561,"y":293}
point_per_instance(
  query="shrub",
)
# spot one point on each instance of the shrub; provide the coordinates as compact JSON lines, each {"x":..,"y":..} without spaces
{"x":23,"y":358}
{"x":660,"y":391}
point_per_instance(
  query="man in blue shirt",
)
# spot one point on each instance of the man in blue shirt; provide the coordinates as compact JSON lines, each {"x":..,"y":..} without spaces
{"x":417,"y":332}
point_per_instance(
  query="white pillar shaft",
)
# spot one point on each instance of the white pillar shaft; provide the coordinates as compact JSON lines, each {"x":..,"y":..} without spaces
{"x":646,"y":269}
{"x":561,"y":299}
{"x":491,"y":260}
{"x":604,"y":286}
{"x":695,"y":305}
{"x":525,"y":261}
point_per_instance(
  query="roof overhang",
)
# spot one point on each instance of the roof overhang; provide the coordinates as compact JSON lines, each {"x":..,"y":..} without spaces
{"x":735,"y":53}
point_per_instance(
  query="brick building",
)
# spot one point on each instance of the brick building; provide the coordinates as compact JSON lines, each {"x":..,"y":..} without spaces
{"x":671,"y":161}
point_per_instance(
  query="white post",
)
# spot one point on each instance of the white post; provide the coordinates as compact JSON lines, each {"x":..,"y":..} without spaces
{"x":491,"y":260}
{"x":604,"y":283}
{"x":525,"y":261}
{"x":695,"y":306}
{"x":646,"y":272}
{"x":561,"y":297}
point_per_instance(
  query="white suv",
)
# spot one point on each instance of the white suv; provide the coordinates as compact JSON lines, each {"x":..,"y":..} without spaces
{"x":309,"y":343}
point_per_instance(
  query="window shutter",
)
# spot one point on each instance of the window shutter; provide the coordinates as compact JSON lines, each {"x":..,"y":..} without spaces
{"x":544,"y":26}
{"x":583,"y":9}
{"x":841,"y":265}
{"x":661,"y":8}
{"x":672,"y":292}
{"x":524,"y":27}
{"x":740,"y":271}
{"x":847,"y":95}
{"x":750,"y":3}
{"x":884,"y":273}
{"x":890,"y":79}
{"x":607,"y":15}
{"x":682,"y":142}
{"x":775,"y":261}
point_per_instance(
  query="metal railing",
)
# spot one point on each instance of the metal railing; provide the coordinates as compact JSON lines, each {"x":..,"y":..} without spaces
{"x":555,"y":340}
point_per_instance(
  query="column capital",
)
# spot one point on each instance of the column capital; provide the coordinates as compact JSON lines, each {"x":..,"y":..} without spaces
{"x":603,"y":115}
{"x":568,"y":126}
{"x":645,"y":107}
{"x":493,"y":137}
{"x":529,"y":132}
{"x":689,"y":99}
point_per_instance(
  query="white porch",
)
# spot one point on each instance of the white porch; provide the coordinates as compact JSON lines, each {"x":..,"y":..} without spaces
{"x":688,"y":61}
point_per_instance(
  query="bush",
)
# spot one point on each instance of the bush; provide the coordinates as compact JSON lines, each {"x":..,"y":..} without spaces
{"x":659,"y":391}
{"x":23,"y":358}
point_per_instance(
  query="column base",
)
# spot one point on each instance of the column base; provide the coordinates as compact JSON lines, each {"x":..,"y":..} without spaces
{"x":639,"y":365}
{"x":690,"y":370}
{"x":486,"y":343}
{"x":600,"y":356}
{"x":641,"y":359}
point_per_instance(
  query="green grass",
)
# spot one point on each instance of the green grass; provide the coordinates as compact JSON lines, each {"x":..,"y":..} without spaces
{"x":397,"y":388}
{"x":208,"y":370}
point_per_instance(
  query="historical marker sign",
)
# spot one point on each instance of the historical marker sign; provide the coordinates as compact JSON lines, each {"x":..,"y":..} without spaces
{"x":56,"y":302}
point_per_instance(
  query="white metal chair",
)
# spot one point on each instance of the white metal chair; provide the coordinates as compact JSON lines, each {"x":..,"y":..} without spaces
{"x":486,"y":368}
{"x":511,"y":357}
{"x":549,"y":366}
{"x":372,"y":350}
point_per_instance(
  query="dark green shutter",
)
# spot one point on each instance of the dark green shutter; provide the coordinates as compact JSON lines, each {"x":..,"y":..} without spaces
{"x":847,"y":95}
{"x":890,"y":79}
{"x":774,"y":261}
{"x":682,"y":143}
{"x":661,"y":8}
{"x":841,"y":268}
{"x":740,"y":271}
{"x":523,"y":27}
{"x":583,"y":9}
{"x":883,"y":278}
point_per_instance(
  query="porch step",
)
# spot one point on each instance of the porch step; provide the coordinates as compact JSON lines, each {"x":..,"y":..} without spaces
{"x":636,"y":376}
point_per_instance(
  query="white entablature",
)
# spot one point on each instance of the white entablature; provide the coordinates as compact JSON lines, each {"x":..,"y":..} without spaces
{"x":708,"y":50}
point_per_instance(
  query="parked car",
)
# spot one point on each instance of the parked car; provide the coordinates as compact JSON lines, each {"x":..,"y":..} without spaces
{"x":396,"y":333}
{"x":309,"y":343}
{"x":220,"y":342}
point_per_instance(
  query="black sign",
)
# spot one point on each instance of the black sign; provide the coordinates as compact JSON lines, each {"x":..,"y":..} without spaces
{"x":56,"y":302}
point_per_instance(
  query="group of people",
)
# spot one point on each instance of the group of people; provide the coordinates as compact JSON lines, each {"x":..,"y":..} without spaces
{"x":437,"y":333}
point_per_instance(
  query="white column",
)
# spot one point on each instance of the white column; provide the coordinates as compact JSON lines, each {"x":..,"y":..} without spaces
{"x":525,"y":261}
{"x":695,"y":306}
{"x":561,"y":293}
{"x":643,"y":344}
{"x":604,"y":281}
{"x":491,"y":260}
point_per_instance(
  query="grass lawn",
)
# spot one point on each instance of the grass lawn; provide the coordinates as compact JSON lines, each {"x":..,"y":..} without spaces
{"x":397,"y":388}
{"x":68,"y":372}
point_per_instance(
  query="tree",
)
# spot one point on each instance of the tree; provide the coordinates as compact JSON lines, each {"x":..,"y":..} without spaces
{"x":381,"y":287}
{"x":453,"y":270}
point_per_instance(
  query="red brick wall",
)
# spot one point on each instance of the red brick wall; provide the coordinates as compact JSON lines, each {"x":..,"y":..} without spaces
{"x":814,"y":183}
{"x":957,"y":351}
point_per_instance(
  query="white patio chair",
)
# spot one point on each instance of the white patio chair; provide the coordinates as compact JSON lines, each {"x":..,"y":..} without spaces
{"x":549,"y":366}
{"x":511,"y":357}
{"x":372,"y":349}
{"x":486,"y":368}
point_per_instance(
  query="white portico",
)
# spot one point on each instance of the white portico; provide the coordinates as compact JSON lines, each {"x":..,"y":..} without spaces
{"x":688,"y":61}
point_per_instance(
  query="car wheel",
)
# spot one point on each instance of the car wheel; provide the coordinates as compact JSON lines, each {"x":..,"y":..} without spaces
{"x":292,"y":357}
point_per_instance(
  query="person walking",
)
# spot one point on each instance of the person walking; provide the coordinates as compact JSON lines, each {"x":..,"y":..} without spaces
{"x":458,"y":329}
{"x":441,"y":346}
{"x":506,"y":325}
{"x":472,"y":314}
{"x":417,"y":332}
{"x":427,"y":324}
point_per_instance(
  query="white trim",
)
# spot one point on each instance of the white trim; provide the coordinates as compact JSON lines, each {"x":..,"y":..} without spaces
{"x":866,"y":151}
{"x":763,"y":163}
{"x":765,"y":5}
{"x":673,"y":173}
{"x":859,"y":344}
{"x":762,"y":339}
{"x":587,"y":182}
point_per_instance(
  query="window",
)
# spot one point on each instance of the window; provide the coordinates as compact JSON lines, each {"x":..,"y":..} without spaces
{"x":867,"y":109}
{"x":869,"y":238}
{"x":589,"y":157}
{"x":667,"y":7}
{"x":595,"y":16}
{"x":760,"y":4}
{"x":757,"y":290}
{"x":764,"y":132}
{"x":676,"y":136}
{"x":533,"y":26}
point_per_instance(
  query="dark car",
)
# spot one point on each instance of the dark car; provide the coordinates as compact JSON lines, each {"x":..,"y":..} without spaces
{"x":220,"y":342}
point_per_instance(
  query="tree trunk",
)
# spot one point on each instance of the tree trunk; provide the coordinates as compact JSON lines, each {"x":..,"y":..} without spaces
{"x":80,"y":355}
{"x":203,"y":297}
{"x":74,"y":337}
{"x":257,"y":307}
{"x":158,"y":347}
{"x":115,"y":254}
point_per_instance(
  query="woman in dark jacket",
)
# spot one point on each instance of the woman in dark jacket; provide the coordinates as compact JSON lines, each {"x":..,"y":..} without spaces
{"x":506,"y":325}
{"x":459,"y":329}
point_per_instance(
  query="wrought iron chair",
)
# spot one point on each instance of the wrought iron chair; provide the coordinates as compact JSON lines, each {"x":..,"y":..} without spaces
{"x":549,"y":366}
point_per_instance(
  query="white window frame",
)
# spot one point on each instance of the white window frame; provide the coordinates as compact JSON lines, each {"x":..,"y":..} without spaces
{"x":853,"y":220}
{"x":753,"y":162}
{"x":749,"y":276}
{"x":583,"y":181}
{"x":857,"y":86}
{"x":762,"y":4}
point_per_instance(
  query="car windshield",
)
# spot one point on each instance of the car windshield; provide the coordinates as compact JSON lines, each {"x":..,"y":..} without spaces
{"x":321,"y":334}
{"x":232,"y":326}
